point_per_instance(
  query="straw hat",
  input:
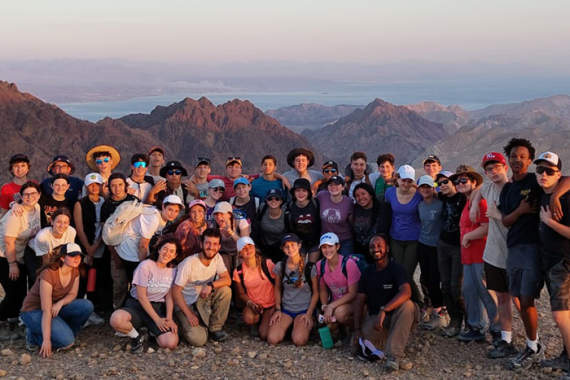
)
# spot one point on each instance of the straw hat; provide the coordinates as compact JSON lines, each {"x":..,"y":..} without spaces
{"x":115,"y":156}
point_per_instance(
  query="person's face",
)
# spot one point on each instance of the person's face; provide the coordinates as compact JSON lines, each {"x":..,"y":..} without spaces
{"x":117,"y":187}
{"x":247,"y":251}
{"x":30,"y":197}
{"x":386,"y":169}
{"x":426,"y":191}
{"x":170,"y":212}
{"x":301,"y":195}
{"x":174,"y":178}
{"x":329,"y":251}
{"x":519,"y":159}
{"x":291,"y":248}
{"x":273,"y":202}
{"x":301,"y":163}
{"x":363,"y":198}
{"x":445,"y":185}
{"x":71,"y":261}
{"x":242,"y":190}
{"x":378,"y":249}
{"x":216,"y":192}
{"x":202,"y":171}
{"x":60,"y":224}
{"x":358,"y":167}
{"x":432,"y":168}
{"x":496,"y":172}
{"x":139,"y":168}
{"x":549,"y":177}
{"x":233,"y":170}
{"x":222,"y":218}
{"x":211,"y":247}
{"x":104,"y":163}
{"x":60,"y":186}
{"x":20,"y":169}
{"x":167,"y":253}
{"x":156,"y":159}
{"x":405,"y":184}
{"x":335,"y":188}
{"x":268,"y":167}
{"x":60,"y":167}
{"x":328,"y":172}
{"x":197,"y":214}
{"x":94,"y":189}
{"x":464,"y":184}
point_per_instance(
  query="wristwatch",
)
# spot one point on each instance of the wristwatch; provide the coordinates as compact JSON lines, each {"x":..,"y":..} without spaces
{"x":211,"y":284}
{"x":383,"y":308}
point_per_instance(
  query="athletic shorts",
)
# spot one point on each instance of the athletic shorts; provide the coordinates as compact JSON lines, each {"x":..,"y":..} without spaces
{"x":558,"y":284}
{"x":497,"y":279}
{"x":525,"y":276}
{"x":140,"y":318}
{"x":293,"y":314}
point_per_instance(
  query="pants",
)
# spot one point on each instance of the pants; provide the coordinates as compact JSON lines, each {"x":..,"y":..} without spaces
{"x":451,"y":273}
{"x":427,"y":257}
{"x":64,"y":327}
{"x":405,"y":253}
{"x":102,"y":297}
{"x":212,"y":312}
{"x":396,"y":329}
{"x":33,"y":263}
{"x":477,"y":298}
{"x":120,"y":285}
{"x":15,"y":291}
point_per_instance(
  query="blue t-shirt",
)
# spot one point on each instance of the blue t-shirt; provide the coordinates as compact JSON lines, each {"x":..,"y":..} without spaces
{"x":261,"y":186}
{"x":72,"y":194}
{"x":406,"y":225}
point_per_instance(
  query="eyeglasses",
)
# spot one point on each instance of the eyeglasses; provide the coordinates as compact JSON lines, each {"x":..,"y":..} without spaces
{"x":219,"y":189}
{"x":444,"y":182}
{"x":63,"y":166}
{"x":548,"y":171}
{"x":270,"y":199}
{"x":100,"y":162}
{"x":139,"y":164}
{"x":462,"y":181}
{"x":329,"y":171}
{"x":490,"y":169}
{"x":30,"y":195}
{"x":174,"y":172}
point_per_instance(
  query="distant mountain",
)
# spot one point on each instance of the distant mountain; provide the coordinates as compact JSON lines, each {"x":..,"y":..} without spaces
{"x":310,"y":115}
{"x":380,"y":127}
{"x":557,"y":105}
{"x":452,"y":117}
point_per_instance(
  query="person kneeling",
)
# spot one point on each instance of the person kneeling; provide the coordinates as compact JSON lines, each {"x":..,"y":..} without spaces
{"x":385,"y":288}
{"x":150,"y":303}
{"x":51,"y":311}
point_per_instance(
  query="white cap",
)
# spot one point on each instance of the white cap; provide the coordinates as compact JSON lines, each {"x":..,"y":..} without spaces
{"x":242,"y":242}
{"x":329,"y":238}
{"x":551,"y":158}
{"x":93,"y":178}
{"x":223,"y":207}
{"x":426,"y":180}
{"x":173,"y":199}
{"x":407,"y":172}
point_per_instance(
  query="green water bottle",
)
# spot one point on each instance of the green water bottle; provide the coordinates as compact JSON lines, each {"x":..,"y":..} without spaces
{"x":325,"y":334}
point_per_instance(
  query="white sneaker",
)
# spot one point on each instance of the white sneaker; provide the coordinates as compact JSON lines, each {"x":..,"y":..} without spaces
{"x":94,"y":320}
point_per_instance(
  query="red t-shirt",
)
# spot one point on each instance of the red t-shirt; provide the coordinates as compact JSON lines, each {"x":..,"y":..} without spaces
{"x":473,"y":254}
{"x":9,"y":193}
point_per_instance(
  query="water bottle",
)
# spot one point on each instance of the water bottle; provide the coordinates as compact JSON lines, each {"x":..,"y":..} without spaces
{"x":91,"y":278}
{"x":325,"y":333}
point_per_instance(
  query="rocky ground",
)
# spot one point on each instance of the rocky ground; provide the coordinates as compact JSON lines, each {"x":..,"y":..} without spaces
{"x":102,"y":355}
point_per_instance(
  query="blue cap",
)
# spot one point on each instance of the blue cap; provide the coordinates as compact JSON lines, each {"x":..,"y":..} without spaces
{"x":290,"y":237}
{"x":241,"y":180}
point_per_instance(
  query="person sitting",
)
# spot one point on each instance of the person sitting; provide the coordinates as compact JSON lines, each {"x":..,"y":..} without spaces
{"x":231,"y":230}
{"x":51,"y":311}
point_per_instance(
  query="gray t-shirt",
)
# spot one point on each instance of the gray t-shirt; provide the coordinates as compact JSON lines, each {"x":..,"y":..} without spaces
{"x":495,"y":252}
{"x":312,"y":175}
{"x":432,"y":222}
{"x":273,"y":229}
{"x":294,"y":299}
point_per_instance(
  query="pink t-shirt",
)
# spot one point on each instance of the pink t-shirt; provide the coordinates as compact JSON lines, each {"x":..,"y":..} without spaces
{"x":157,"y":281}
{"x":336,"y":281}
{"x":259,"y":289}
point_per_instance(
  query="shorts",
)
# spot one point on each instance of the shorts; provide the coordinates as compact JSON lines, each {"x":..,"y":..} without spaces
{"x":497,"y":279}
{"x":293,"y":314}
{"x":140,"y":318}
{"x":558,"y":284}
{"x":524,"y":271}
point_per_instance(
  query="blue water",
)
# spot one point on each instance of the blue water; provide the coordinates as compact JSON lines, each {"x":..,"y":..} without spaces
{"x":470,"y":95}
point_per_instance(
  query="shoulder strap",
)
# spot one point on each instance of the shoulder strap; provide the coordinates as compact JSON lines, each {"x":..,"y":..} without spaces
{"x":343,"y":266}
{"x":233,"y":201}
{"x":256,"y":204}
{"x":265,"y":270}
{"x":323,"y":263}
{"x":283,"y":268}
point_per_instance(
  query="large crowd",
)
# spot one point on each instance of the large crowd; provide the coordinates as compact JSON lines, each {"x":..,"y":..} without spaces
{"x":174,"y":253}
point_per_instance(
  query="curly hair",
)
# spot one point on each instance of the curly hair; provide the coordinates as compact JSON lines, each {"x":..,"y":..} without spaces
{"x":516,"y":142}
{"x":301,"y":276}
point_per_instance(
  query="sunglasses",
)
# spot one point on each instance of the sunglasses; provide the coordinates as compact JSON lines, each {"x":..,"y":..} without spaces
{"x":444,"y":182}
{"x":329,"y":171}
{"x":462,"y":181}
{"x":174,"y":172}
{"x":139,"y":164}
{"x":100,"y":162}
{"x":548,"y":171}
{"x":234,"y":158}
{"x":273,"y":199}
{"x":219,"y":189}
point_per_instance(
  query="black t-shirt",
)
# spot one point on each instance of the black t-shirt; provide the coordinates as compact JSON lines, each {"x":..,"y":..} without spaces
{"x":249,"y":209}
{"x":382,"y":286}
{"x":553,"y":246}
{"x":452,"y":209}
{"x":305,"y":222}
{"x":49,"y":206}
{"x":525,"y":229}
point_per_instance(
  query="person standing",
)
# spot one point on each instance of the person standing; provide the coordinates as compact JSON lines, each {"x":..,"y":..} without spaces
{"x":384,"y":179}
{"x":19,"y":167}
{"x":301,"y":160}
{"x":155,"y":162}
{"x":62,"y":165}
{"x":268,"y":179}
{"x":140,"y":184}
{"x":102,"y":159}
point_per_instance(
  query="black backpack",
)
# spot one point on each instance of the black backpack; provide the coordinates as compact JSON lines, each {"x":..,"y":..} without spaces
{"x":307,"y":272}
{"x":264,"y":269}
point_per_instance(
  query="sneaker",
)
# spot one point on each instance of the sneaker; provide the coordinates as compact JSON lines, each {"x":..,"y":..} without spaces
{"x":8,"y":334}
{"x":363,"y":350}
{"x":502,"y":350}
{"x":94,"y":320}
{"x":472,"y":334}
{"x":450,"y":332}
{"x":437,"y":321}
{"x":392,"y":364}
{"x":219,"y":335}
{"x":32,"y":347}
{"x":526,"y":359}
{"x":137,"y":345}
{"x":120,"y":334}
{"x":560,"y":362}
{"x":424,"y":315}
{"x":496,"y":337}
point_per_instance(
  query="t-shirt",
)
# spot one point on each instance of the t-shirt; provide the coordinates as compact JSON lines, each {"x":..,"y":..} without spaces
{"x":364,"y":226}
{"x":334,"y":216}
{"x":249,"y":209}
{"x":143,"y":226}
{"x":379,"y":184}
{"x":45,"y":242}
{"x":229,"y":183}
{"x":73,"y":193}
{"x":203,"y":190}
{"x":553,"y":246}
{"x":22,"y":228}
{"x":474,"y":253}
{"x":305,"y":222}
{"x":273,"y":229}
{"x":33,"y":301}
{"x":142,"y":189}
{"x":312,"y":175}
{"x":525,"y":229}
{"x":259,"y":288}
{"x":49,"y":206}
{"x":496,"y":251}
{"x":452,"y":208}
{"x":431,"y":220}
{"x":190,"y":239}
{"x":157,"y":281}
{"x":336,"y":282}
{"x":406,"y":225}
{"x":261,"y":186}
{"x":294,"y":299}
{"x":382,"y":286}
{"x":10,"y":192}
{"x":193,"y":274}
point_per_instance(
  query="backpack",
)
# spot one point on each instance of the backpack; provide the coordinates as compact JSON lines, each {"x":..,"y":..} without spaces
{"x":113,"y":230}
{"x":306,"y":272}
{"x":357,"y":258}
{"x":264,"y":269}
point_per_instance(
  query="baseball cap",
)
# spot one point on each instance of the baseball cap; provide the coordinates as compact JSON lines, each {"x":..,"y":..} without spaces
{"x":443,"y":173}
{"x":93,"y":178}
{"x":156,"y":149}
{"x":336,"y":179}
{"x":243,"y":241}
{"x":290,"y":237}
{"x":202,"y":160}
{"x":431,"y":157}
{"x":329,"y":238}
{"x":19,"y":158}
{"x":223,"y":207}
{"x":233,"y":159}
{"x":330,"y":164}
{"x":173,"y":199}
{"x":551,"y":158}
{"x":241,"y":180}
{"x":71,"y":249}
{"x":216,"y":183}
{"x":273,"y":193}
{"x":426,"y":180}
{"x":493,"y":157}
{"x":407,"y":172}
{"x":198,"y":202}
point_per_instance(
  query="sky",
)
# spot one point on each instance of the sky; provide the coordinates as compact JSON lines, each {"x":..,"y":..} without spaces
{"x":219,"y":31}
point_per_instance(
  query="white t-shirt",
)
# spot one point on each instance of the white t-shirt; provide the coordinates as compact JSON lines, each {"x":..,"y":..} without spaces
{"x":145,"y":225}
{"x":22,"y":228}
{"x":45,"y":242}
{"x":496,"y":251}
{"x":353,"y":185}
{"x":141,"y":189}
{"x":192,"y":275}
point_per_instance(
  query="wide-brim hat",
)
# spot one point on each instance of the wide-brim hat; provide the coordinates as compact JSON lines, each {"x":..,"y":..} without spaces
{"x":467,"y":170}
{"x":298,"y":151}
{"x":173,"y":165}
{"x":115,"y":156}
{"x":62,"y":158}
{"x":301,"y":183}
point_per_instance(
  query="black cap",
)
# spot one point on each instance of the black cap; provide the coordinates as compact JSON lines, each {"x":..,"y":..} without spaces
{"x":431,"y":157}
{"x":274,"y":193}
{"x":330,"y":164}
{"x":202,"y":160}
{"x":336,"y":179}
{"x":290,"y":237}
{"x":61,"y":158}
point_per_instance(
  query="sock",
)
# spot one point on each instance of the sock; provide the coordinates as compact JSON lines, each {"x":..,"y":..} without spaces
{"x":532,"y":344}
{"x":133,"y":333}
{"x":507,"y":336}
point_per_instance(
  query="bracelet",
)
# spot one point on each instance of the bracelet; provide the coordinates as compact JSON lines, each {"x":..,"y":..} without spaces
{"x":324,"y":307}
{"x":12,"y":262}
{"x":276,"y":309}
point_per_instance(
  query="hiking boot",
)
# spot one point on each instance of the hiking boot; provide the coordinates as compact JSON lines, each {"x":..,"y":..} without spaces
{"x":137,"y":345}
{"x":392,"y":364}
{"x":502,"y":350}
{"x":453,"y":329}
{"x":437,"y":321}
{"x":472,"y":334}
{"x":219,"y":335}
{"x":560,"y":362}
{"x":526,"y":359}
{"x":496,"y":337}
{"x":9,"y":333}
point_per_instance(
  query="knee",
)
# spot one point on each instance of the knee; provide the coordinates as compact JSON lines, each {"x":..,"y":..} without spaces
{"x":527,"y":302}
{"x":168,"y":340}
{"x":225,"y":292}
{"x":196,"y":340}
{"x":249,"y":317}
{"x":119,"y":318}
{"x":273,"y":337}
{"x":560,"y":318}
{"x":342,"y":315}
{"x":85,"y":306}
{"x":300,"y":339}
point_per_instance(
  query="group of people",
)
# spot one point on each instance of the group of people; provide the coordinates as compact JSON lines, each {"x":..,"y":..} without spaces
{"x":174,"y":252}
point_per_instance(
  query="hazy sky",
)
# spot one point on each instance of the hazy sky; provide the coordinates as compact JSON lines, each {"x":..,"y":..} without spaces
{"x":376,"y":31}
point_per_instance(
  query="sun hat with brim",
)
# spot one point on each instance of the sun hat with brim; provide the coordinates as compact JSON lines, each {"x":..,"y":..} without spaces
{"x":197,"y":202}
{"x":243,"y":241}
{"x":114,"y":153}
{"x":444,"y":174}
{"x":223,"y":207}
{"x":71,"y":249}
{"x":300,"y":151}
{"x":61,"y":158}
{"x":171,"y":165}
{"x":468,"y":171}
{"x":301,"y":183}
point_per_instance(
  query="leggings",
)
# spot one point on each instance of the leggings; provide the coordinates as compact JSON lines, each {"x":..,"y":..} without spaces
{"x":15,"y":291}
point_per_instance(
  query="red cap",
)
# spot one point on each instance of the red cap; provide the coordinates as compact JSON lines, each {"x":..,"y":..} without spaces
{"x":493,"y":157}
